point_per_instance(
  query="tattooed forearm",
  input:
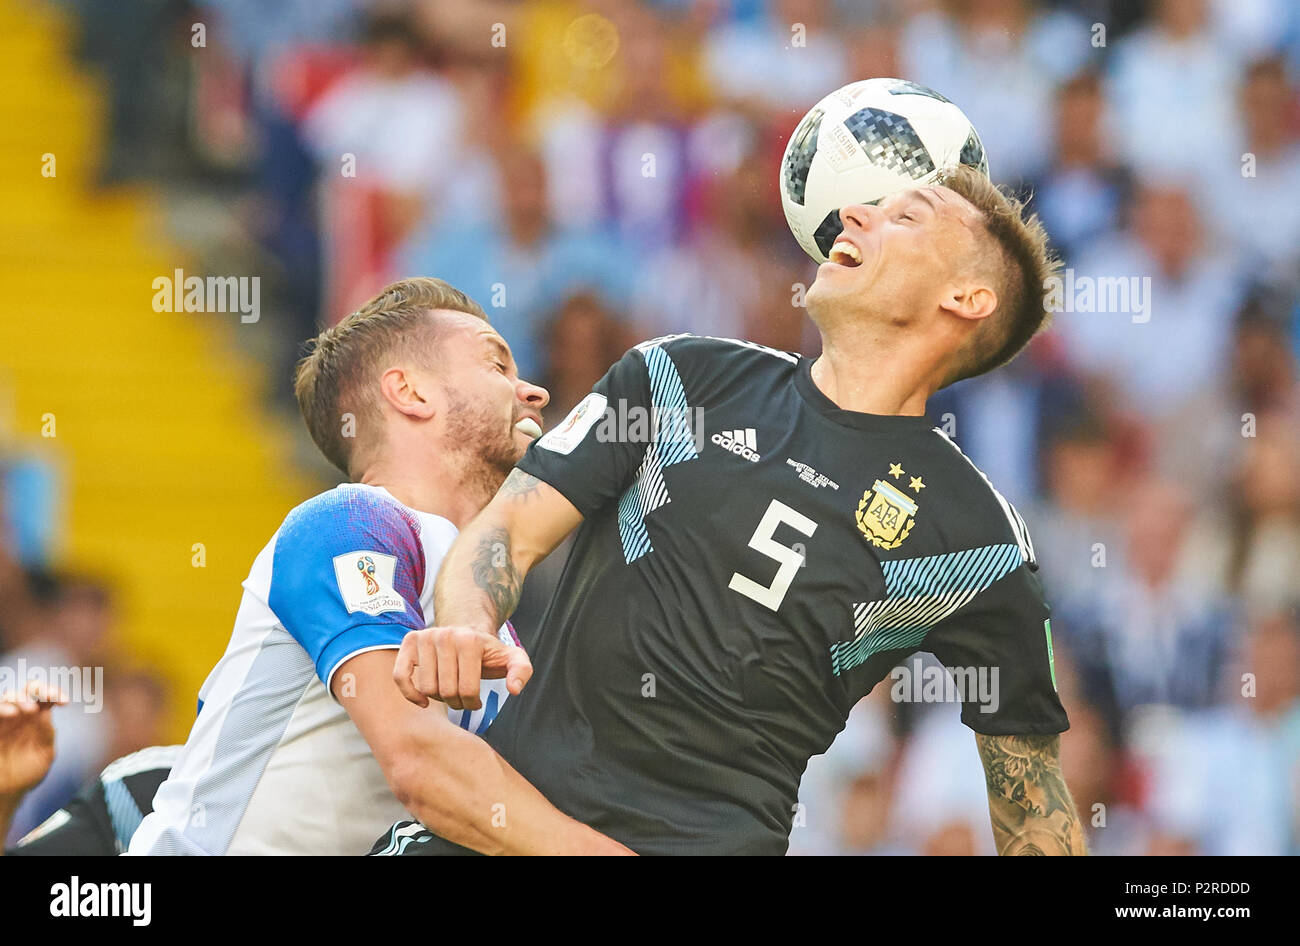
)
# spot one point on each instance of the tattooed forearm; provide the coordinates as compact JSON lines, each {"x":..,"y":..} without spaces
{"x":483,"y":572}
{"x":495,"y":573}
{"x":519,"y":486}
{"x":1029,"y":804}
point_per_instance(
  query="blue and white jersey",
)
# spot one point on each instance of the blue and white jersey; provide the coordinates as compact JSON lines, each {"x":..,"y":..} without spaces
{"x":274,"y":764}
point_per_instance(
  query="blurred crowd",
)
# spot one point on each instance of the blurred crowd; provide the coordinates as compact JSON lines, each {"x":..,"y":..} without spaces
{"x":595,"y":172}
{"x":53,"y":620}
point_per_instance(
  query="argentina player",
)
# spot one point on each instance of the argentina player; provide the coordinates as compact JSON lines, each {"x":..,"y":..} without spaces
{"x":302,"y":744}
{"x":723,"y":609}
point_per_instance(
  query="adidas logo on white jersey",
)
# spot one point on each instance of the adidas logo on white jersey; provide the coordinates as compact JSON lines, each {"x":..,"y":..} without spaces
{"x":740,"y":441}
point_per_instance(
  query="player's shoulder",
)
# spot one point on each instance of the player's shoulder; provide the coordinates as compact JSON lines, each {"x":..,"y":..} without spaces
{"x":151,"y":759}
{"x":346,"y":510}
{"x":977,"y":513}
{"x":707,"y":364}
{"x":357,"y":527}
{"x":687,"y":348}
{"x":128,"y":786}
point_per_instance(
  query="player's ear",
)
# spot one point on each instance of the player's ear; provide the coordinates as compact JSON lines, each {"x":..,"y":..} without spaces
{"x":408,"y":392}
{"x":975,"y":301}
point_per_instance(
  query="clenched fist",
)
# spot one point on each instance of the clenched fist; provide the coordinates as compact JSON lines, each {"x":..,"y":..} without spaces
{"x":448,"y":663}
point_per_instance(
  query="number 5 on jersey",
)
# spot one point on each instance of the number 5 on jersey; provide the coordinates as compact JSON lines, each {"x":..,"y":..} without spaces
{"x":772,"y":595}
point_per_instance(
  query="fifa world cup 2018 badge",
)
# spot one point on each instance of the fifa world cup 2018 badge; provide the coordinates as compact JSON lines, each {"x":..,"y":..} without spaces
{"x":366,"y":565}
{"x":885,"y":513}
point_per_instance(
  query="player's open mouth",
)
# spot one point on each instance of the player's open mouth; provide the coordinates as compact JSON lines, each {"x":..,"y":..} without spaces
{"x":530,"y":427}
{"x":845,"y":253}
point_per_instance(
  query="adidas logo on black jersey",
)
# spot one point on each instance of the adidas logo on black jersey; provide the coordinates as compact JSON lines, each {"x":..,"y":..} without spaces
{"x":740,"y":441}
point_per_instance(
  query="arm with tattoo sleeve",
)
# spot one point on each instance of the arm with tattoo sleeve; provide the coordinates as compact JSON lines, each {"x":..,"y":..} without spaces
{"x":1031,"y":808}
{"x":481,"y":579}
{"x":477,"y":589}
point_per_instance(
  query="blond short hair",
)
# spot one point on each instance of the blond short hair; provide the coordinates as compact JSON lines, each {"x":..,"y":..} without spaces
{"x":337,"y":375}
{"x":1025,"y":264}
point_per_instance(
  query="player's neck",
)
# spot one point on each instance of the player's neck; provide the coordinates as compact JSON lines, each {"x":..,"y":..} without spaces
{"x":874,"y":375}
{"x":434,"y":489}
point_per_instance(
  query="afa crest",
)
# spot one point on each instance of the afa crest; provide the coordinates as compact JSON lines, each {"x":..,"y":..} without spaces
{"x":886,"y":514}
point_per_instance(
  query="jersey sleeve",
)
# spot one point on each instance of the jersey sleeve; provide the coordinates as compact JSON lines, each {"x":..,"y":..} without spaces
{"x":346,"y":576}
{"x":1005,"y":633}
{"x":595,"y":452}
{"x":82,"y":828}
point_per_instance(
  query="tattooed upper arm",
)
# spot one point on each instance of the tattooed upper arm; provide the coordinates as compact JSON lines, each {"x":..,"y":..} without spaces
{"x":519,"y":486}
{"x":1029,"y":804}
{"x":482,"y":575}
{"x":495,"y":573}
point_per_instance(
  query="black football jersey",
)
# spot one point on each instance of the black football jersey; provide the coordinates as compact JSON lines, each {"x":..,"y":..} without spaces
{"x":100,"y":819}
{"x":752,"y":561}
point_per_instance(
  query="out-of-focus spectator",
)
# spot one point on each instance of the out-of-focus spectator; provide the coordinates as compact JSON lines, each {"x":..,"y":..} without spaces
{"x":846,"y":793}
{"x":582,"y":339}
{"x":1150,"y":310}
{"x":998,"y":418}
{"x":1264,"y":567}
{"x":873,"y":50}
{"x":998,"y":60}
{"x":388,"y":142}
{"x":567,"y":51}
{"x":1228,"y":780}
{"x":942,"y":779}
{"x":1252,"y":28}
{"x":864,"y":815}
{"x":1081,"y":521}
{"x":725,"y":277}
{"x":518,"y":264}
{"x":1081,"y":195}
{"x":785,"y":61}
{"x":15,"y":590}
{"x":467,"y":26}
{"x":69,"y":631}
{"x":257,"y":32}
{"x":1154,"y":632}
{"x":401,"y":121}
{"x":136,"y":703}
{"x":629,"y":166}
{"x":1094,"y":768}
{"x":1201,"y":443}
{"x":1254,"y":201}
{"x":475,"y":191}
{"x":1171,"y":89}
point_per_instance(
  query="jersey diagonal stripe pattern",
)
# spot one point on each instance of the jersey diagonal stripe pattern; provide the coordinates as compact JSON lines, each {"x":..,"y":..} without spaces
{"x":123,"y":811}
{"x":672,"y":442}
{"x":919,"y":593}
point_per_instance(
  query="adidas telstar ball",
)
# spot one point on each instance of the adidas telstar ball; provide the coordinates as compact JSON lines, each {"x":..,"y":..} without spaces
{"x":864,"y":142}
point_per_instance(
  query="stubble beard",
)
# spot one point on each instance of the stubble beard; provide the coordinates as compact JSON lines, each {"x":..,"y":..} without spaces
{"x":482,"y":443}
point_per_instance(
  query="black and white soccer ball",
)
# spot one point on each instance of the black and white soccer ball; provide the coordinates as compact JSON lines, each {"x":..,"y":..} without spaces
{"x":864,"y":142}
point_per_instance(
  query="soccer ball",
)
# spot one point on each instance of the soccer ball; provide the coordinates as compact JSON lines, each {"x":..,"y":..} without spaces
{"x":864,"y":142}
